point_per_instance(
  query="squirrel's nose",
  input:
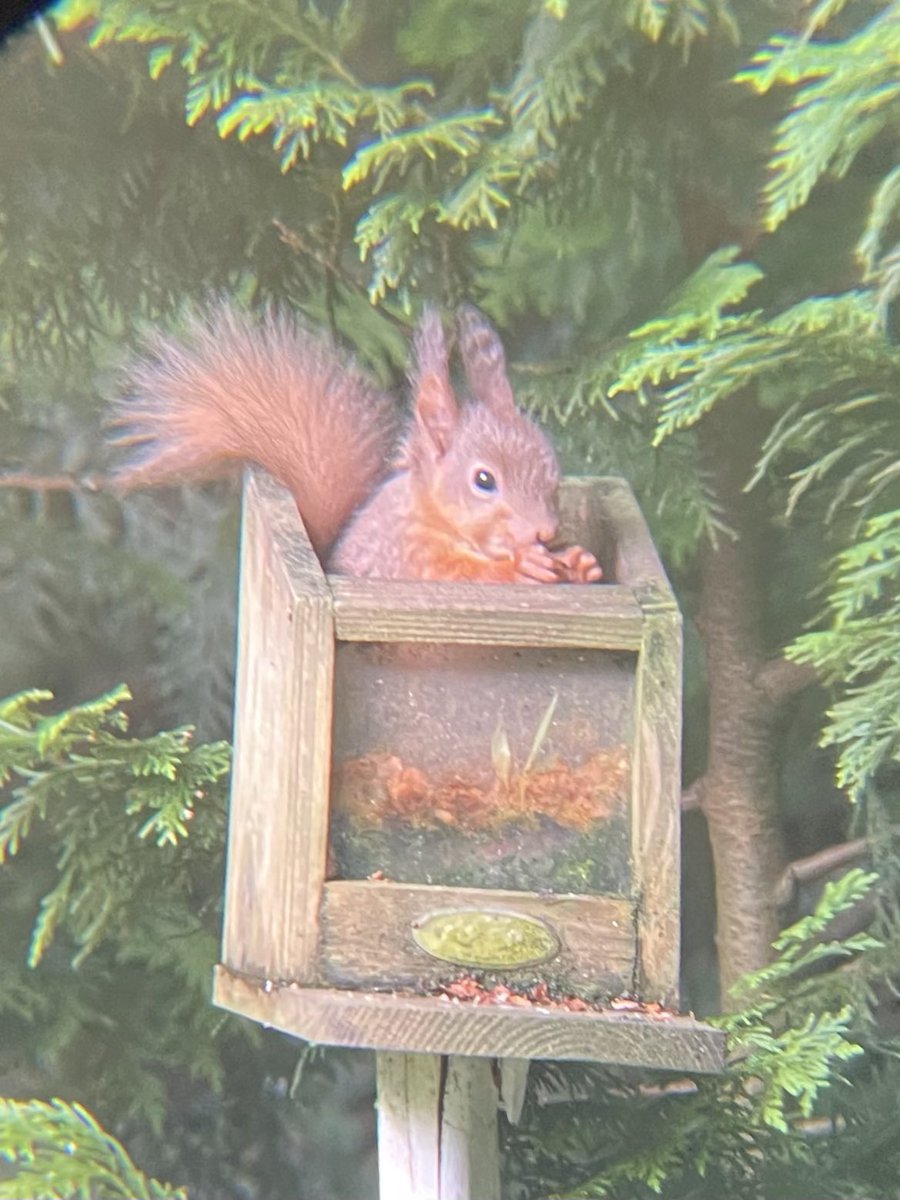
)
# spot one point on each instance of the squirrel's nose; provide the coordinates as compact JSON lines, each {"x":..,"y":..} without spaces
{"x":540,"y":526}
{"x":546,"y":524}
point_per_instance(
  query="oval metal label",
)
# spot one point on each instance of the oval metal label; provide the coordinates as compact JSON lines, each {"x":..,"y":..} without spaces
{"x":485,"y":938}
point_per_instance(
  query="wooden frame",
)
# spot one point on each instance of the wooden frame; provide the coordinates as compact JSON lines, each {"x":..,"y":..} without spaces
{"x":293,"y":938}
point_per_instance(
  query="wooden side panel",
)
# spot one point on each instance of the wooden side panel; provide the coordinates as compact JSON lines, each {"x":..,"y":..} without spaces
{"x":283,"y":709}
{"x":636,"y":563}
{"x":515,"y":615}
{"x":367,"y":935}
{"x":584,"y":518}
{"x":656,"y":809}
{"x":496,"y":614}
{"x":435,"y":1026}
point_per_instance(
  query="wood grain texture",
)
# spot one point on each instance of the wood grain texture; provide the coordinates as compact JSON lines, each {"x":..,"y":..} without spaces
{"x":656,"y":811}
{"x":278,"y":819}
{"x":608,"y":507}
{"x":470,"y":1156}
{"x":507,"y":614}
{"x":409,"y":1126}
{"x":497,"y":614}
{"x":513,"y":1086}
{"x":367,"y":939}
{"x":437,"y":1128}
{"x":636,"y":562}
{"x":291,"y":614}
{"x":427,"y":1024}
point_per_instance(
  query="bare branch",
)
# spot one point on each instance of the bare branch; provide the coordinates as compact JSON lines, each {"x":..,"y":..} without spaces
{"x":296,"y":241}
{"x":93,"y":482}
{"x":814,"y":866}
{"x":779,"y":679}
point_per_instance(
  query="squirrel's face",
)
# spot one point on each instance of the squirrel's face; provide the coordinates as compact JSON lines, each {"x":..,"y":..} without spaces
{"x":497,"y":482}
{"x":485,"y":471}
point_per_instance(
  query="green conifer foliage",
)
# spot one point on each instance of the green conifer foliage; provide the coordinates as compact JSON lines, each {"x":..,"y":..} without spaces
{"x":58,"y":1150}
{"x":683,"y":216}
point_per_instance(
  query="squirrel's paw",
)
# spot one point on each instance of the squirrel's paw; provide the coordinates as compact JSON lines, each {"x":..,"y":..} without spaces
{"x":536,"y":564}
{"x":576,"y":565}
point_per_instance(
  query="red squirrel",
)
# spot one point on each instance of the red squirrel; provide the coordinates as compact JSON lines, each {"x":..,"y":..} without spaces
{"x":470,"y":495}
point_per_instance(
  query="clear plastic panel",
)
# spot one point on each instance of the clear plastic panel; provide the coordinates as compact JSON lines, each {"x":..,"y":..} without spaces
{"x":493,"y":767}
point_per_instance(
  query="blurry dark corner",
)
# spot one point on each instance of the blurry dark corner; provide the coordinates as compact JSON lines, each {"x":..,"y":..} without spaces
{"x":16,"y":14}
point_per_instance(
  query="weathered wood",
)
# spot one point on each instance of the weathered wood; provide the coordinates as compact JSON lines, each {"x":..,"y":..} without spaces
{"x":636,"y":562}
{"x":432,"y":1025}
{"x":409,"y":1126}
{"x":655,"y":808}
{"x":656,"y":814}
{"x":513,"y":1086}
{"x":278,"y":823}
{"x":656,"y":778}
{"x":470,"y":1157}
{"x":437,"y":1128}
{"x":283,"y":923}
{"x":581,"y":517}
{"x":367,"y":935}
{"x":493,"y":615}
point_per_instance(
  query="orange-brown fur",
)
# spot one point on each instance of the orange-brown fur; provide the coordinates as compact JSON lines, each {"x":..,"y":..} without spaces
{"x":231,"y":389}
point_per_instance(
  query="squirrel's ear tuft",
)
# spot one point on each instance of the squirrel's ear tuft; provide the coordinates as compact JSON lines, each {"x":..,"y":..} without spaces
{"x":436,"y":409}
{"x":483,"y":360}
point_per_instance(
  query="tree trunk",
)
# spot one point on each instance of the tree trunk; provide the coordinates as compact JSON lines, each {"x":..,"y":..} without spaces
{"x":738,"y":793}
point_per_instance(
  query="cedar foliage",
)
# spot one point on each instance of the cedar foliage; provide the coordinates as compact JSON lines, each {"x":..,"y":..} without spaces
{"x":672,"y":208}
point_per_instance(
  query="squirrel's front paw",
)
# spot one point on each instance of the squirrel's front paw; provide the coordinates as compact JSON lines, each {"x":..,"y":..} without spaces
{"x":536,"y":564}
{"x":576,"y":565}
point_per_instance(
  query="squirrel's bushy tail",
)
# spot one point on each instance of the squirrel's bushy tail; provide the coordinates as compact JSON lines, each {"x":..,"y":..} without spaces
{"x":230,"y":389}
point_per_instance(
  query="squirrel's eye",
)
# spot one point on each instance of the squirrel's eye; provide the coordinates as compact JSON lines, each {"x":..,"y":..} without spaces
{"x":484,"y":481}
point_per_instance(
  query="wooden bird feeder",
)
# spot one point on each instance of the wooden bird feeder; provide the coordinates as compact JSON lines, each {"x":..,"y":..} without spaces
{"x":435,"y":782}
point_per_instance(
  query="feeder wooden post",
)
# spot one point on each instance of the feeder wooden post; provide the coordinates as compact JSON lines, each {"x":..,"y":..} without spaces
{"x":437,"y":1128}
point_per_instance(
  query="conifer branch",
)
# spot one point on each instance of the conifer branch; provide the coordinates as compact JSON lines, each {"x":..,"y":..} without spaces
{"x":56,"y":1150}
